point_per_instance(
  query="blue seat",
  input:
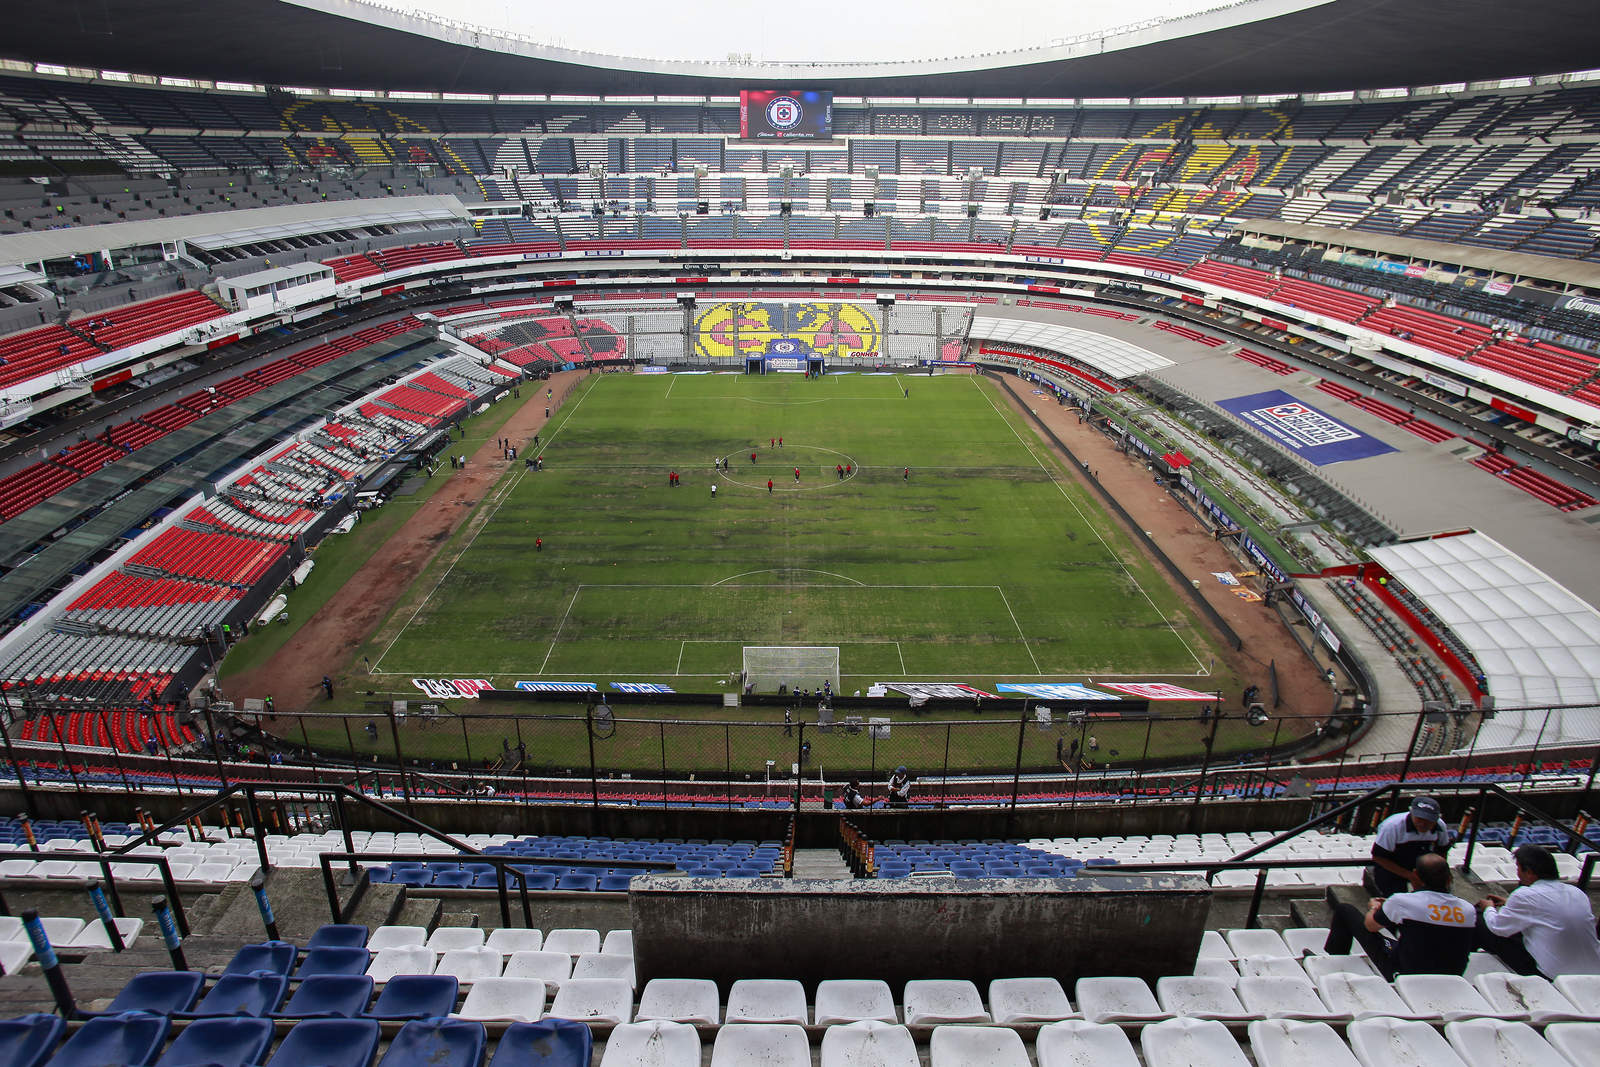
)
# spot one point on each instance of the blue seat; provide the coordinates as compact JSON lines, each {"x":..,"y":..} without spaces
{"x":486,"y":880}
{"x":329,"y":1043}
{"x":580,"y":882}
{"x":457,"y":879}
{"x":436,"y":1043}
{"x":339,"y":935}
{"x":130,"y":1038}
{"x":743,"y":872}
{"x":342,"y":996}
{"x":334,"y":961}
{"x":275,"y":956}
{"x":416,"y":996}
{"x":26,"y":1041}
{"x":243,"y":994}
{"x":546,"y":1043}
{"x":378,"y":874}
{"x":412,"y":879}
{"x":220,"y":1042}
{"x":158,"y":992}
{"x":541,"y":881}
{"x":966,"y":870}
{"x":615,"y":883}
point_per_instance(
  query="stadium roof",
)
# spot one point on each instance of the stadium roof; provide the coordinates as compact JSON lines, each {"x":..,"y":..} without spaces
{"x":1265,"y":47}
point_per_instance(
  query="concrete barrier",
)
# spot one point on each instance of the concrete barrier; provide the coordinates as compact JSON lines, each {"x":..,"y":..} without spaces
{"x":1147,"y":926}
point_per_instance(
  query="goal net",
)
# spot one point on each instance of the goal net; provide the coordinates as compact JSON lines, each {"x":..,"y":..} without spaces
{"x":766,"y":667}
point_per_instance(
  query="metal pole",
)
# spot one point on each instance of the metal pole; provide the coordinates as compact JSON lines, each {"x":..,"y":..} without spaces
{"x":594,"y":781}
{"x":1416,"y":732}
{"x":1205,"y":765}
{"x":727,"y":762}
{"x":97,"y":897}
{"x":661,"y":729}
{"x":169,"y":933}
{"x":1588,"y":787}
{"x":216,"y":745}
{"x":258,"y":827}
{"x":116,"y":754}
{"x":258,"y":886}
{"x":1016,"y":769}
{"x":800,"y":764}
{"x":944,"y":792}
{"x":51,"y":965}
{"x":343,"y":818}
{"x":55,"y":726}
{"x":400,"y":762}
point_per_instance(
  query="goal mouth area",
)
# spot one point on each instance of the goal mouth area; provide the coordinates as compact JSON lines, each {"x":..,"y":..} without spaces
{"x":791,"y":668}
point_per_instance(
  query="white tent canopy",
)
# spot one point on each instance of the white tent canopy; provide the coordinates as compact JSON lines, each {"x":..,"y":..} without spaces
{"x":1537,"y":643}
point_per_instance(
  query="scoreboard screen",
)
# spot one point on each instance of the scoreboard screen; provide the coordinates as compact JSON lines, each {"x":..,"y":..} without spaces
{"x":766,"y":113}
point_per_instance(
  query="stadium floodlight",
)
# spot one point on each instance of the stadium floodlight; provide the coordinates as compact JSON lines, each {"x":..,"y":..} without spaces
{"x":766,"y":667}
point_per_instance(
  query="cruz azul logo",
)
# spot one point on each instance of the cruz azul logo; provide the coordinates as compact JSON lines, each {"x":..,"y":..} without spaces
{"x":1306,"y":425}
{"x":784,"y":113}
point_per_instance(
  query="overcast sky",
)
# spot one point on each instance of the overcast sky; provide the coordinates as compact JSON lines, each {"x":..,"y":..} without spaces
{"x":810,"y":30}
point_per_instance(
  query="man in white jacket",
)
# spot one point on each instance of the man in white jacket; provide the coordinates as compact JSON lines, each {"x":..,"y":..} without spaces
{"x":1545,"y":926}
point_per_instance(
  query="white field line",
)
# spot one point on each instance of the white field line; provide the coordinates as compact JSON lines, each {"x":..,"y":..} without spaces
{"x":1018,"y":625}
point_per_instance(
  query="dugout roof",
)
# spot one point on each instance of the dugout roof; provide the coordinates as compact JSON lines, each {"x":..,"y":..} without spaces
{"x":1263,"y":47}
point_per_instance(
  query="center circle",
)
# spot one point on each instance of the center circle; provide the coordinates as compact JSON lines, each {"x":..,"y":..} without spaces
{"x":783,"y":476}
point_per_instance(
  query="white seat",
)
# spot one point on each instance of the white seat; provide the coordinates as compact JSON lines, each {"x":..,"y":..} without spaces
{"x":55,"y":869}
{"x":61,"y":929}
{"x":1256,"y":943}
{"x":1222,"y":970}
{"x":409,"y":959}
{"x":766,"y":1000}
{"x":1028,"y":1000}
{"x":1283,"y":998}
{"x":11,"y":929}
{"x":552,"y":968}
{"x":1213,"y":947}
{"x":680,"y":1000}
{"x":868,"y":1043}
{"x":1302,"y":940}
{"x":396,"y":937}
{"x":1519,"y":996}
{"x":618,"y":943}
{"x":601,"y":965}
{"x":1291,"y":1043}
{"x":1107,"y":999}
{"x":1481,"y":963}
{"x":976,"y":1046}
{"x":1190,"y":1043}
{"x":593,"y":1000}
{"x":1316,"y":967}
{"x":658,"y":1043}
{"x":518,"y":1000}
{"x":93,"y":936}
{"x":1076,"y":1043}
{"x":508,"y":940}
{"x":1399,"y":1043}
{"x":470,"y":964}
{"x":1578,"y":1042}
{"x":929,"y":1001}
{"x":13,"y":954}
{"x":1441,"y":996}
{"x":1362,"y":996}
{"x":449,"y":938}
{"x":211,"y":872}
{"x":767,"y":1044}
{"x":1498,"y":1043}
{"x":1270,"y":967}
{"x":1200,"y":998}
{"x":1583,"y":990}
{"x":572,"y":942}
{"x":850,"y":1000}
{"x":16,"y":868}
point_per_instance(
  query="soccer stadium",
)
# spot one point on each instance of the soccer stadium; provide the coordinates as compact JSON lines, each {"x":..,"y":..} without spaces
{"x":1075,"y":553}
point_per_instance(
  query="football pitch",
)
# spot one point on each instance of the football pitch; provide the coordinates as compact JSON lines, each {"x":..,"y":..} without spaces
{"x":956,"y":548}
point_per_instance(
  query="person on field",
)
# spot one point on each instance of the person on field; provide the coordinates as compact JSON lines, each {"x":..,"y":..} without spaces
{"x":769,"y":486}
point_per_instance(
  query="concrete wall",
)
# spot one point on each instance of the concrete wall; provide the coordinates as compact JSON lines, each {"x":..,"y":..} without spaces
{"x":900,"y":930}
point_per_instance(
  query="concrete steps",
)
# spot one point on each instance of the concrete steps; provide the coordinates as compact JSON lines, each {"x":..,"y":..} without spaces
{"x":823,"y":863}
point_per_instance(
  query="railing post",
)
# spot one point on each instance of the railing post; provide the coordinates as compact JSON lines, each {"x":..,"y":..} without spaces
{"x":214,"y":740}
{"x":1253,"y":920}
{"x":944,"y":790}
{"x":97,"y":897}
{"x":661,"y":729}
{"x":1209,"y":742}
{"x":66,"y":758}
{"x":799,"y":763}
{"x":46,"y":956}
{"x":1016,"y":769}
{"x":258,"y":827}
{"x":22,"y":779}
{"x":258,"y":886}
{"x":169,"y":933}
{"x":1411,"y":749}
{"x":594,"y":778}
{"x":343,"y":818}
{"x":399,"y":761}
{"x":1472,"y":834}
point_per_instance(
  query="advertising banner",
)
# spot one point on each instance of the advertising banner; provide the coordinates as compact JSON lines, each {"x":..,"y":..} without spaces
{"x":1312,"y":434}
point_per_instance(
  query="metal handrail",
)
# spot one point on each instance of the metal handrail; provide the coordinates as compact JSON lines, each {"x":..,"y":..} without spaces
{"x":500,"y":862}
{"x":114,"y":898}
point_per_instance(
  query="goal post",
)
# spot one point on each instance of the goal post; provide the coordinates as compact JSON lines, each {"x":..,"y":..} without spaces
{"x":766,"y":667}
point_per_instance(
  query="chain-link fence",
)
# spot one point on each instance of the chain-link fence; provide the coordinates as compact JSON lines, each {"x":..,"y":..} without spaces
{"x":775,"y":757}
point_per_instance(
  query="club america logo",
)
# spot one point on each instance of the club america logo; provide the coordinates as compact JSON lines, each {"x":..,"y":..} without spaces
{"x":784,"y":113}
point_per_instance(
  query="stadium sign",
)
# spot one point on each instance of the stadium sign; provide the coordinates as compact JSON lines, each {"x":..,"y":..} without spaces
{"x":1054,"y":691}
{"x":642,"y":687}
{"x":452,"y":688}
{"x":1587,"y":305}
{"x":937,"y":690}
{"x":558,"y":687}
{"x":1158,"y":691}
{"x":1309,"y":433}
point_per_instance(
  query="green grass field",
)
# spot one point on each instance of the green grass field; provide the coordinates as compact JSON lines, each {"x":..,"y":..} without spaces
{"x":985,"y":565}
